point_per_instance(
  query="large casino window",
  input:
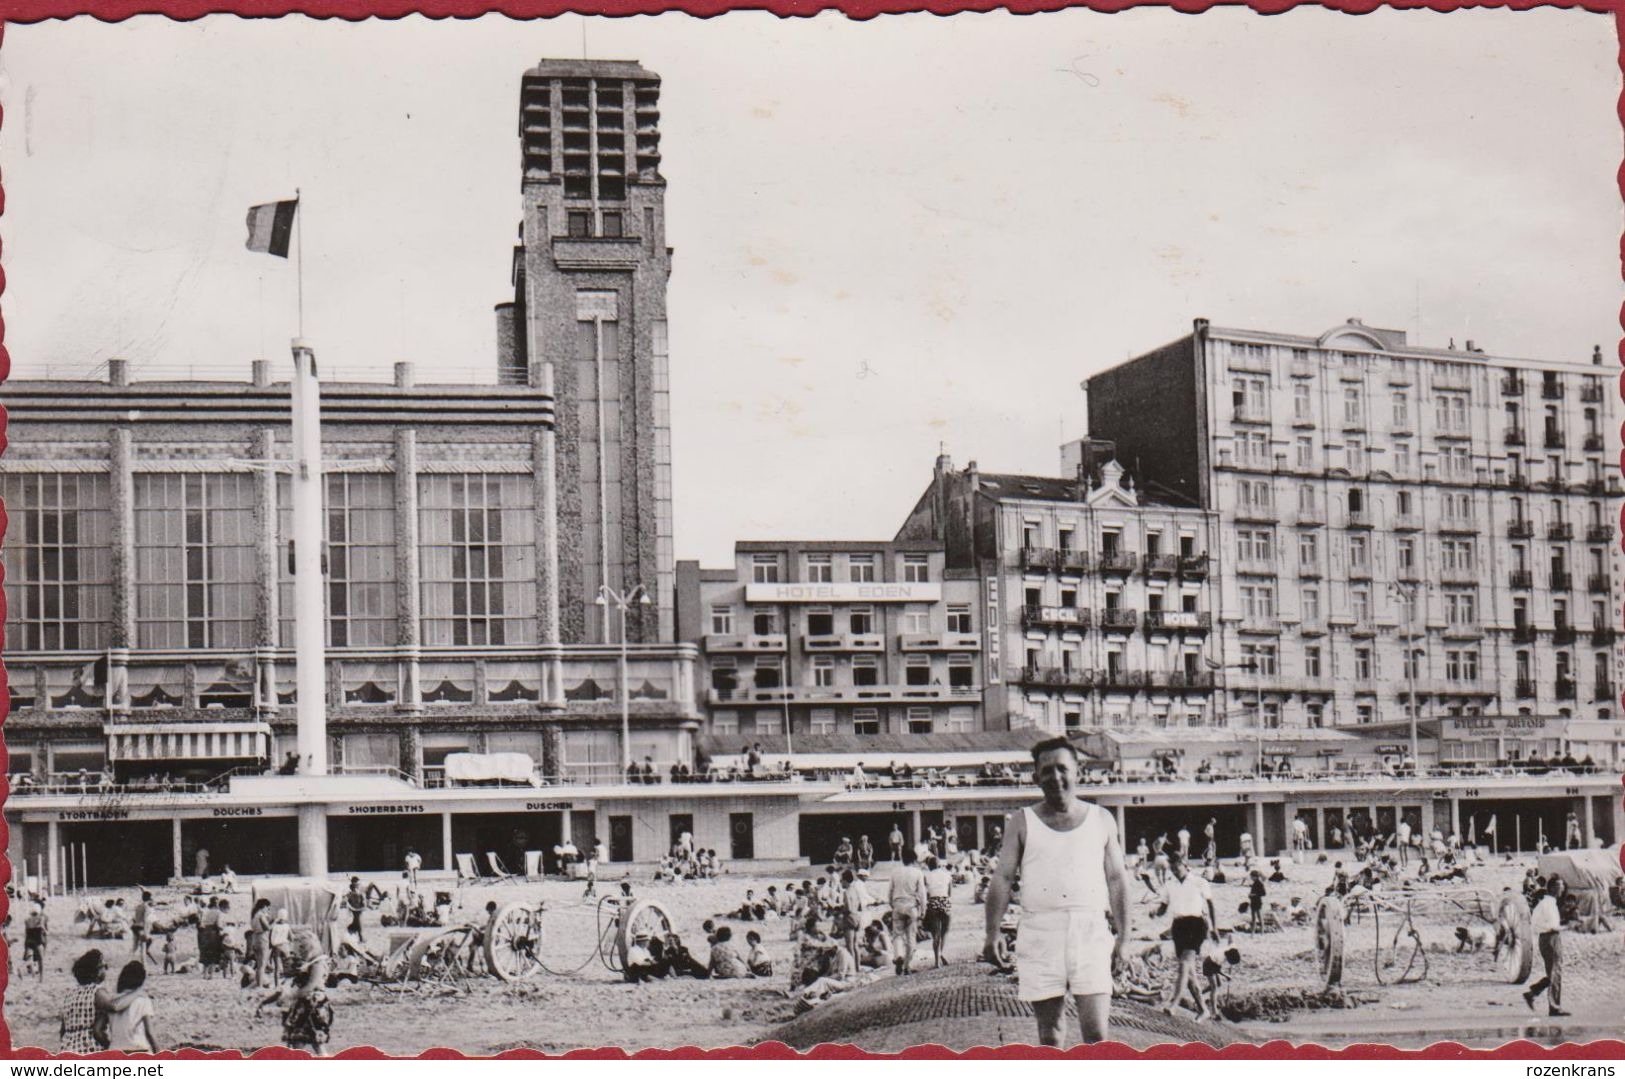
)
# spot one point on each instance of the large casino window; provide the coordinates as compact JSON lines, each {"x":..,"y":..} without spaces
{"x":58,"y":559}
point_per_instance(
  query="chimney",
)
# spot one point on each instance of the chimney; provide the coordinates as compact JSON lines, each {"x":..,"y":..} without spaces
{"x":1596,"y":355}
{"x":1470,"y":347}
{"x":403,"y":375}
{"x":118,"y":372}
{"x":261,"y":372}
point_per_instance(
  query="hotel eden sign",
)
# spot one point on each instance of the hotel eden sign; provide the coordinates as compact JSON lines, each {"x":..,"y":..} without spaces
{"x":853,"y":592}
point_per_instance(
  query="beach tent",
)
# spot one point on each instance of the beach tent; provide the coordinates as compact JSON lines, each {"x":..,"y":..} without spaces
{"x":1591,"y":875}
{"x":312,"y":904}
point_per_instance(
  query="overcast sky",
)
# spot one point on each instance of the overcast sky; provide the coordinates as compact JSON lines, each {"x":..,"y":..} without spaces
{"x":889,"y":235}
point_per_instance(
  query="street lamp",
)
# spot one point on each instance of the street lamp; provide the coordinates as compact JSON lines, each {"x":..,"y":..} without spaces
{"x":623,"y":602}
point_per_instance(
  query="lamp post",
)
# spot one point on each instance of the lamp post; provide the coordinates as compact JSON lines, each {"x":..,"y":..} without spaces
{"x":1407,"y":592}
{"x":623,"y":601}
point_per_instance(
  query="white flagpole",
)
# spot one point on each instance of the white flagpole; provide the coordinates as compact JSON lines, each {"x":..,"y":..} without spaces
{"x":299,"y":243}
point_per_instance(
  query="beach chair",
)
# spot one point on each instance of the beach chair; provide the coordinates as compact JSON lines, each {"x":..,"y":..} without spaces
{"x":533,"y":865}
{"x":498,"y":871}
{"x":467,"y":871}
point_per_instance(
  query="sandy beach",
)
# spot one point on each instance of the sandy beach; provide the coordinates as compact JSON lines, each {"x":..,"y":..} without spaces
{"x":1464,"y":996}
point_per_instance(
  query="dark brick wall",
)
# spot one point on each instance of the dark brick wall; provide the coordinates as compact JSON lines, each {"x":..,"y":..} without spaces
{"x":1151,"y":407}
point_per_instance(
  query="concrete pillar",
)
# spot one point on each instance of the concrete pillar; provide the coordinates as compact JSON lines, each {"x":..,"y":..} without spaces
{"x":176,"y":862}
{"x":408,"y":569}
{"x":121,"y":483}
{"x":567,"y":828}
{"x":1258,"y":829}
{"x":1455,"y":817}
{"x":1427,"y":820}
{"x":267,"y":603}
{"x":446,"y":860}
{"x":919,"y":833}
{"x":53,"y":837}
{"x":544,"y":466}
{"x":1617,"y":811}
{"x":1122,"y":825}
{"x":313,"y":840}
{"x":1588,"y":821}
{"x":1320,"y":829}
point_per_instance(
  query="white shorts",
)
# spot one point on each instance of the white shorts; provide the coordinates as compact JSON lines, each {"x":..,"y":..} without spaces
{"x":1063,"y":951}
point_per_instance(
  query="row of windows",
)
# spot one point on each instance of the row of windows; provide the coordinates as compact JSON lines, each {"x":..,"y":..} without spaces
{"x":820,"y":568}
{"x":822,"y":621}
{"x":1250,"y":400}
{"x":767,"y":672}
{"x":960,"y":719}
{"x":196,"y":565}
{"x":1112,"y":540}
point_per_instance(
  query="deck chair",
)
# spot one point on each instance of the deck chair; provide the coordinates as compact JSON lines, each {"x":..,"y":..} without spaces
{"x":533,"y":865}
{"x":499,"y":872}
{"x":467,"y":871}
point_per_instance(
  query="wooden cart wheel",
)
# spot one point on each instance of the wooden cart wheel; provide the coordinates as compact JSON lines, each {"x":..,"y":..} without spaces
{"x":1329,"y":940}
{"x":1514,"y":939}
{"x":643,"y":916}
{"x":513,"y":944}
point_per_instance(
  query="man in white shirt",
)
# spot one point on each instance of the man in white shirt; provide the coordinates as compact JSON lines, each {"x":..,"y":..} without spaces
{"x":1184,"y":841}
{"x":1547,"y":924}
{"x":908,"y":902}
{"x":1190,"y":903}
{"x":1402,"y":838}
{"x":1070,"y":864}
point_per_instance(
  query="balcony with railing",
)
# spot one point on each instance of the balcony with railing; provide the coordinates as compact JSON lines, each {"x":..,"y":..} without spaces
{"x":1597,"y":583}
{"x":1462,"y":631}
{"x":1602,"y":690}
{"x":1521,"y":528}
{"x":1524,"y":689}
{"x":1564,"y":633}
{"x":1564,"y":690}
{"x":1073,"y":561}
{"x":1518,"y":481}
{"x":1041,"y":617}
{"x":1560,"y":530}
{"x":1460,"y":526}
{"x":1360,"y":518}
{"x":1553,"y":439}
{"x":1043,"y":558}
{"x":1119,"y":619}
{"x":1523,"y":633}
{"x":1407,"y":522}
{"x":1593,"y":443}
{"x":1053,"y":677}
{"x":1193,"y":566}
{"x":1119,"y":562}
{"x":1512,"y":386}
{"x":1256,"y":512}
{"x":843,"y":642}
{"x":1120,"y":680}
{"x":1182,"y":681}
{"x":1513,"y":436}
{"x":1562,"y":580}
{"x":1161,"y":565}
{"x":1551,"y":390}
{"x":1309,"y":517}
{"x":1591,"y":393}
{"x":1250,"y":414}
{"x":1601,"y":487}
{"x":1603,"y":633}
{"x":1599,"y":533}
{"x":1178,"y":621}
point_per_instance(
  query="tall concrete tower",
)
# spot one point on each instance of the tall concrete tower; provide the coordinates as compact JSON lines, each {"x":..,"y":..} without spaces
{"x":588,"y":324}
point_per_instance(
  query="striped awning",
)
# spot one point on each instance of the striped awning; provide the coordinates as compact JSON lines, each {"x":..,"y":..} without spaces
{"x":188,"y":741}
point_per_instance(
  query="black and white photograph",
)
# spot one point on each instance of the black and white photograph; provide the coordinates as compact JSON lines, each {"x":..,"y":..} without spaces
{"x":954,"y":531}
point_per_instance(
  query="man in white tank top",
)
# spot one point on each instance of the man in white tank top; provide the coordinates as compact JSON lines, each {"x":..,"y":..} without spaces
{"x":1070,"y":864}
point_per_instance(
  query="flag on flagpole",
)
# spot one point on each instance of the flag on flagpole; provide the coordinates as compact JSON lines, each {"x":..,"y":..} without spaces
{"x":240,"y":670}
{"x":91,"y":676}
{"x":271,"y":226}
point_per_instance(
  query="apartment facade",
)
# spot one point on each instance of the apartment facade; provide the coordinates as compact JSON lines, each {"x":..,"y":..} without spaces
{"x":835,"y":638}
{"x":1096,"y":594}
{"x":1399,"y":528}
